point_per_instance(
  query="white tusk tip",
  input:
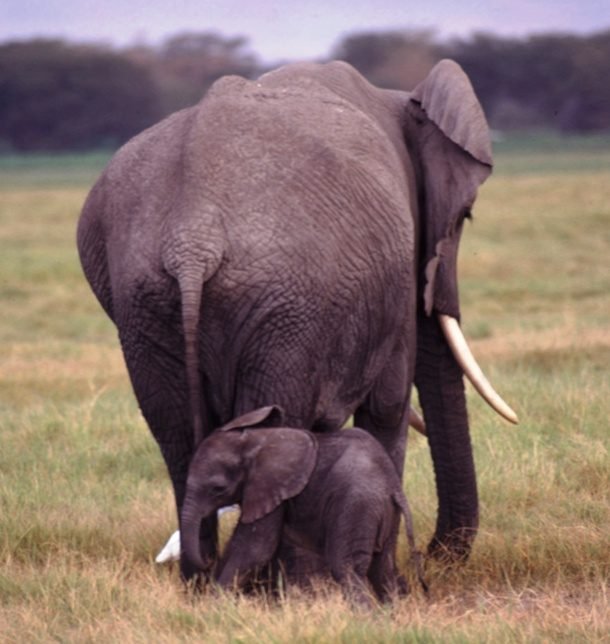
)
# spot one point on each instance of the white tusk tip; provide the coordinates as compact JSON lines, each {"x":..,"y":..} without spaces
{"x":511,"y":417}
{"x":463,"y":355}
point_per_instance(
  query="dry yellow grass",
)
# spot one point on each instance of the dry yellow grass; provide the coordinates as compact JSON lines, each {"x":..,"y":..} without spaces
{"x":83,"y":601}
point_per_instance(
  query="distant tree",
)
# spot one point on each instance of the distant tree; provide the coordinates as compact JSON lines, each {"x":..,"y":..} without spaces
{"x":586,"y":104}
{"x":187,"y":64}
{"x":393,"y":59}
{"x":550,"y":80}
{"x":555,"y":80}
{"x":59,"y":96}
{"x":55,"y":95}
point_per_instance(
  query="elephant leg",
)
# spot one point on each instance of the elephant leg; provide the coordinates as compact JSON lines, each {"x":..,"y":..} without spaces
{"x":300,"y":566}
{"x":384,"y":578}
{"x":383,"y":573}
{"x":393,"y":436}
{"x":348,"y":550}
{"x":385,"y":411}
{"x":159,"y":383}
{"x":351,"y":574}
{"x":251,"y":547}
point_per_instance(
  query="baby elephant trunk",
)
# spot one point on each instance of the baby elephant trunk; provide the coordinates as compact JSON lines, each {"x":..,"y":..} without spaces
{"x":189,"y":536}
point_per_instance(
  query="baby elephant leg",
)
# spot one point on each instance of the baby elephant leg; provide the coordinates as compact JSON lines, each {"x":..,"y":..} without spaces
{"x":383,"y":573}
{"x":300,"y":566}
{"x":349,"y":553}
{"x":251,"y":547}
{"x":351,"y":575}
{"x":384,"y":577}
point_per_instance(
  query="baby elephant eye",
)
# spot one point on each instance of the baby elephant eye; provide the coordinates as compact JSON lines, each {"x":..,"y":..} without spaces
{"x":217,"y":490}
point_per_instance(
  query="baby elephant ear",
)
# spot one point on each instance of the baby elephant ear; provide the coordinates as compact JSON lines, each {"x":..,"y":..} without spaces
{"x":272,"y":416}
{"x":279,"y":464}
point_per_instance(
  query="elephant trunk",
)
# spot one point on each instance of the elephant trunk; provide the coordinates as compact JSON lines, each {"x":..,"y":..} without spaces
{"x":190,"y":527}
{"x":440,"y":385}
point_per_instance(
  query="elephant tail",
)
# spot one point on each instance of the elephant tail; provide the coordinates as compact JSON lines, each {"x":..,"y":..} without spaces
{"x":191,"y":292}
{"x":192,"y":259}
{"x":416,"y":556}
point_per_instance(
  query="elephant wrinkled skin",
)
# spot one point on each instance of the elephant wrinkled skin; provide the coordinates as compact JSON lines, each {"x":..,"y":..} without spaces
{"x":290,"y":241}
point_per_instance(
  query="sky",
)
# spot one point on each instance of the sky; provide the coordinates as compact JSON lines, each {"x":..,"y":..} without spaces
{"x":290,"y":29}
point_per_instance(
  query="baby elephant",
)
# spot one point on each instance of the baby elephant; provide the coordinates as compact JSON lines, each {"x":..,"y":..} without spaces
{"x":336,"y":495}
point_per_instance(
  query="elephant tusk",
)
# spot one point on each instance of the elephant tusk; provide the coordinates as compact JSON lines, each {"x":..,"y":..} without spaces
{"x":417,"y":422}
{"x":463,"y":355}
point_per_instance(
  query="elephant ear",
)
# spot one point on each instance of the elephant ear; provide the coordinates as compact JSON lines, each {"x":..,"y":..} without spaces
{"x":272,"y":416}
{"x":279,"y":463}
{"x":449,"y":131}
{"x":449,"y":101}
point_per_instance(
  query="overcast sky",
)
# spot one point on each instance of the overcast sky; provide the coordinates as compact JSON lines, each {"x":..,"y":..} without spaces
{"x":290,"y":29}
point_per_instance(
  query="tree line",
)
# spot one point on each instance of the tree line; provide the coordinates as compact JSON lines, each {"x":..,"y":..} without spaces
{"x":56,"y":95}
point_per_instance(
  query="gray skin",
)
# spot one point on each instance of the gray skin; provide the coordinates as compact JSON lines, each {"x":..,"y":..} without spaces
{"x":290,"y":241}
{"x":335,"y":495}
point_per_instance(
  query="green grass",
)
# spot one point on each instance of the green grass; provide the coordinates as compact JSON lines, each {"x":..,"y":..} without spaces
{"x":65,"y":170}
{"x":548,"y":153}
{"x":85,"y":502}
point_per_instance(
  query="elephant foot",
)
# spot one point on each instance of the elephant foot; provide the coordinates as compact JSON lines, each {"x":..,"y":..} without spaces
{"x":263,"y":581}
{"x":403,"y":588}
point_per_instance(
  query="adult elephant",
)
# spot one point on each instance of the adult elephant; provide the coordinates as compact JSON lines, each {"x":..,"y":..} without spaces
{"x":293,"y":241}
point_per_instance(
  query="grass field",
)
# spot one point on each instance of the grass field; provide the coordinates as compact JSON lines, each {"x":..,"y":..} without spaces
{"x":85,"y":502}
